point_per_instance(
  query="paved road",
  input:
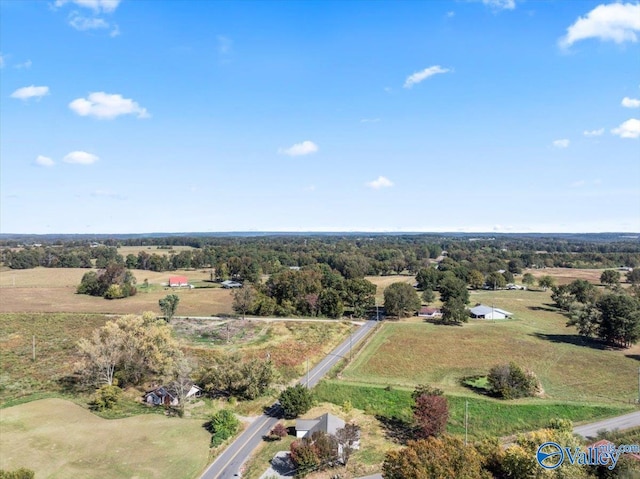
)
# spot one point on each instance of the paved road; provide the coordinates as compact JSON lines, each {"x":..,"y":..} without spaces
{"x":227,"y":465}
{"x":620,"y":422}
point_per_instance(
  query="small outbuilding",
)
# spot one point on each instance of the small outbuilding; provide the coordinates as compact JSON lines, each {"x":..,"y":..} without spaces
{"x":430,"y":313}
{"x":482,"y":311}
{"x":231,"y":284}
{"x":178,"y":282}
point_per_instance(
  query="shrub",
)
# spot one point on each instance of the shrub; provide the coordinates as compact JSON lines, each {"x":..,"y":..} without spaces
{"x":430,"y":411}
{"x":222,"y":426}
{"x":106,"y":397}
{"x":21,"y":473}
{"x":279,"y":431}
{"x":510,"y":381}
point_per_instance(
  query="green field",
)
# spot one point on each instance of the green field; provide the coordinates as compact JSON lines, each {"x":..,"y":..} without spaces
{"x":569,"y":367}
{"x":486,"y":416}
{"x":59,"y":439}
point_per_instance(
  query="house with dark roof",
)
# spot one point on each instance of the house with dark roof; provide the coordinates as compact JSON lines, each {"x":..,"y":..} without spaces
{"x":327,"y":423}
{"x":161,"y":397}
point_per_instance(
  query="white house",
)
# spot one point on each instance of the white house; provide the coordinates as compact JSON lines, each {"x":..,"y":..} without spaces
{"x":489,"y":312}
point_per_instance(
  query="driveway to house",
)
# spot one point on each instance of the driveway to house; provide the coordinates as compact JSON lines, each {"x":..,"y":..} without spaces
{"x":229,"y":464}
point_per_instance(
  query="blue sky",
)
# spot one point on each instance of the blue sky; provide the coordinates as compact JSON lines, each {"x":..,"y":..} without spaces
{"x":145,"y":116}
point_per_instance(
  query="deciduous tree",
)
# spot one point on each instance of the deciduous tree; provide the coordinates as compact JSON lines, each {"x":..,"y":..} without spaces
{"x":169,"y":305}
{"x":296,"y":400}
{"x":244,"y":299}
{"x":401,"y":299}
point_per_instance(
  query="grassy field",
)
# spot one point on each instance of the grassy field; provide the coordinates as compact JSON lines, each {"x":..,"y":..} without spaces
{"x":382,"y":282}
{"x":567,"y":275}
{"x":125,"y":250}
{"x":569,"y":367}
{"x":58,"y":439}
{"x":486,"y":416}
{"x":53,"y":290}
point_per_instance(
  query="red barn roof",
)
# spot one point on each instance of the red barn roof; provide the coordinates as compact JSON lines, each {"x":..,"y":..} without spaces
{"x":178,"y":280}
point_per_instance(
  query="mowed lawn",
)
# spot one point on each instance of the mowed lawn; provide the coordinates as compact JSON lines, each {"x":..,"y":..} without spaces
{"x":53,"y":290}
{"x":569,"y":367}
{"x":59,"y":439}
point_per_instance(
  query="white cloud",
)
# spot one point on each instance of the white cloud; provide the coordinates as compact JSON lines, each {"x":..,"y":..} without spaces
{"x":617,"y":22}
{"x":451,"y":14}
{"x":32,"y":91}
{"x":370,"y":120}
{"x":500,"y":4}
{"x":380,"y":182}
{"x":629,"y":129}
{"x":80,"y":158}
{"x":578,"y":184}
{"x":630,"y":102}
{"x":107,"y":106}
{"x":563,"y":143}
{"x":1,"y":60}
{"x":598,"y":132}
{"x":87,"y":23}
{"x":422,"y":75}
{"x":44,"y":161}
{"x":224,"y":45}
{"x":305,"y":148}
{"x":26,"y":65}
{"x":106,"y":6}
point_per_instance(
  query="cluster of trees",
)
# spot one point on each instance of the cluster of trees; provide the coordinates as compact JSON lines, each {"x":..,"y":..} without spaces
{"x":510,"y":381}
{"x":448,"y":456}
{"x":313,"y":291}
{"x":354,"y":256}
{"x":322,"y":451}
{"x":128,"y":351}
{"x":232,"y":375}
{"x":613,"y":315}
{"x":113,"y":282}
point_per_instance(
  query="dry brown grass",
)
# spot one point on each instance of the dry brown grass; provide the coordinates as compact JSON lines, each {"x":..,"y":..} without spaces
{"x":567,"y":275}
{"x":125,"y":250}
{"x":49,"y":290}
{"x":382,"y":282}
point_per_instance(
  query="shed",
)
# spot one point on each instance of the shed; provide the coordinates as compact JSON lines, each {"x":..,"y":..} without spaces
{"x":482,"y":311}
{"x":426,"y":312}
{"x":178,"y":281}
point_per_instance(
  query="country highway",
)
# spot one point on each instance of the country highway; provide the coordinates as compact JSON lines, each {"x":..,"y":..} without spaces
{"x":228,"y":464}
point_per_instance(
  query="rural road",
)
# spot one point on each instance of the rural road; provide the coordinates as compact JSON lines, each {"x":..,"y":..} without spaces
{"x":619,"y":422}
{"x":227,"y":465}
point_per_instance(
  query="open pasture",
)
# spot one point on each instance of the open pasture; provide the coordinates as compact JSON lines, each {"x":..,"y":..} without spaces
{"x":567,"y":275}
{"x":47,"y":290}
{"x":59,"y":439}
{"x":570,"y":367}
{"x":382,"y":282}
{"x":162,"y":250}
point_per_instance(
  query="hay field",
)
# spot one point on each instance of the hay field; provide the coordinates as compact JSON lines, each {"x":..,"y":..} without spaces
{"x":125,"y":250}
{"x":59,"y":439}
{"x":53,"y":290}
{"x":567,"y":275}
{"x":382,"y":282}
{"x":570,"y":367}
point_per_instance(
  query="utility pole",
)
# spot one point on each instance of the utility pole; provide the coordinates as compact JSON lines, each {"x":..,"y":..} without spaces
{"x":307,"y":372}
{"x":638,"y":385}
{"x":33,"y":348}
{"x":466,"y":421}
{"x":351,"y":344}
